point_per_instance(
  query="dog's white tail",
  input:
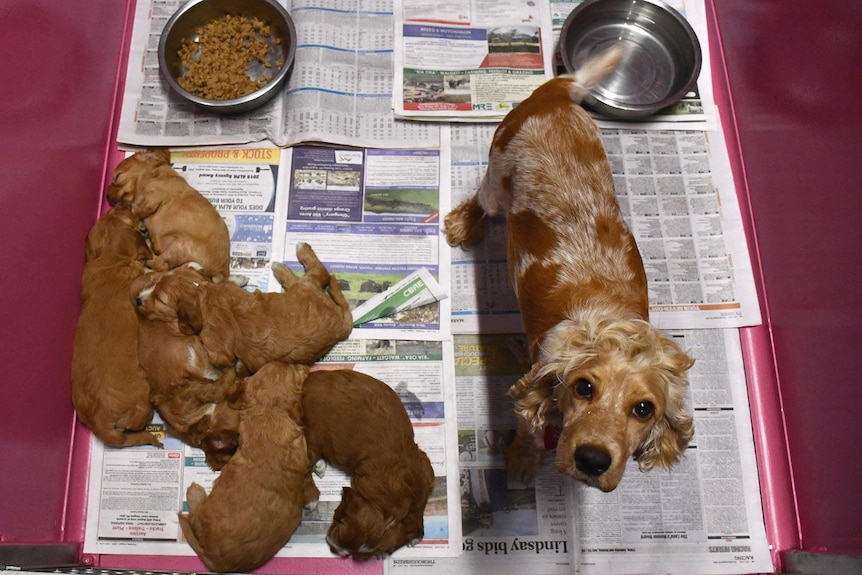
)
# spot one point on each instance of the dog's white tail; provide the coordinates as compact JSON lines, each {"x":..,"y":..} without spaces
{"x":594,"y":71}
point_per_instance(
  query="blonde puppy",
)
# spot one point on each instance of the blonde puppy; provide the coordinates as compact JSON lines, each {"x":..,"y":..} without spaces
{"x":183,"y":225}
{"x":255,"y":504}
{"x":613,"y":384}
{"x":109,"y":389}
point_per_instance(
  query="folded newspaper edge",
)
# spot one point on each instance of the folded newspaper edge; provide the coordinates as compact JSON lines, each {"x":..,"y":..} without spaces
{"x":416,"y":289}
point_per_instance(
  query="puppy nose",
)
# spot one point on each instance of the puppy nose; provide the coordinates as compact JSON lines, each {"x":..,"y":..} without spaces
{"x":592,"y":460}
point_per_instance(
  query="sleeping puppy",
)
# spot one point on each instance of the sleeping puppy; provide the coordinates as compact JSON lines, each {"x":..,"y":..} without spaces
{"x":109,"y":389}
{"x":358,"y":424}
{"x":600,"y":371}
{"x":256,"y":502}
{"x":183,"y":225}
{"x":298,"y":326}
{"x":190,"y":393}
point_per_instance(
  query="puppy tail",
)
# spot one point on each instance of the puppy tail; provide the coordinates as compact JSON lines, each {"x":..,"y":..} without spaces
{"x":594,"y":71}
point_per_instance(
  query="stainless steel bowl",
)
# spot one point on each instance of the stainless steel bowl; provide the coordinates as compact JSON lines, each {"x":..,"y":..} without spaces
{"x":662,"y":60}
{"x":196,"y":13}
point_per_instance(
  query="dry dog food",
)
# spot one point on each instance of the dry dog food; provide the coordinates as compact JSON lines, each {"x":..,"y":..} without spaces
{"x":217,"y":64}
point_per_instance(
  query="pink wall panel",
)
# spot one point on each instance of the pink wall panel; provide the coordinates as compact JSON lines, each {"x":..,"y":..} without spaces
{"x":794,"y":78}
{"x":57,"y":85}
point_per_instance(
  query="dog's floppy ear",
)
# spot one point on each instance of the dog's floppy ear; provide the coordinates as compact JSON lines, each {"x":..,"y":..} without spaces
{"x":671,"y":435}
{"x":533,"y":396}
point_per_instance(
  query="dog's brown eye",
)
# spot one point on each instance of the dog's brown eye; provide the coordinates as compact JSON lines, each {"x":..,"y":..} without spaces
{"x":643,"y":410}
{"x":584,"y":388}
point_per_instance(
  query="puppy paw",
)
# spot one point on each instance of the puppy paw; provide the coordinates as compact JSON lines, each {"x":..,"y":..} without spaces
{"x":320,"y":468}
{"x":238,"y":279}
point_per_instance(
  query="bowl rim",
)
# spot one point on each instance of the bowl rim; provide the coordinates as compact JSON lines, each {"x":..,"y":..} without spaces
{"x":633,"y":111}
{"x":270,"y":86}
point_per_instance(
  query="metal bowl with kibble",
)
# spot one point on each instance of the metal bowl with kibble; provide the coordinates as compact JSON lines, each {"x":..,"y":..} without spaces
{"x":227,"y":56}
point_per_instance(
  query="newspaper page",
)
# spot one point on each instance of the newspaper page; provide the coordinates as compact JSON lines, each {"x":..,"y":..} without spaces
{"x":373,"y":217}
{"x":705,"y":515}
{"x":339,"y":90}
{"x":135,"y":493}
{"x":509,"y":527}
{"x":676,"y":192}
{"x":695,"y":111}
{"x":468,"y":61}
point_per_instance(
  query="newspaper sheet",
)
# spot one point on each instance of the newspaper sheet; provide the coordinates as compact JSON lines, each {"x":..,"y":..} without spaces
{"x":135,"y":493}
{"x":468,"y":61}
{"x":704,"y":516}
{"x":676,"y":192}
{"x":339,"y":91}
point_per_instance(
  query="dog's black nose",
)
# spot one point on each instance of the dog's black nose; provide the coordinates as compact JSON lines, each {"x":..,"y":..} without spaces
{"x":592,"y":460}
{"x":139,"y":302}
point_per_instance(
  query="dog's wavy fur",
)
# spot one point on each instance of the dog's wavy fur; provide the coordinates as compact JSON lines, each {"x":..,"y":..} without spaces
{"x":358,"y":424}
{"x":183,"y":225}
{"x":255,"y":504}
{"x":612,"y":381}
{"x":110,"y":391}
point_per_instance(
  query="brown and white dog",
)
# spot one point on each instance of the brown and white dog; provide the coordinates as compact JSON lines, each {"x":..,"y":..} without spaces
{"x":182,"y":224}
{"x":358,"y":424}
{"x":615,"y":385}
{"x":110,"y":391}
{"x":256,"y":502}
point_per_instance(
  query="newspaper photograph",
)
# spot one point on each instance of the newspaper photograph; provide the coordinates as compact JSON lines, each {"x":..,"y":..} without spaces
{"x":135,"y":493}
{"x":469,"y":61}
{"x":676,"y":192}
{"x":339,"y":90}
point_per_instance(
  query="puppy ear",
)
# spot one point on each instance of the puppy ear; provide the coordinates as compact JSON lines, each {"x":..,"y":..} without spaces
{"x":671,"y":435}
{"x":162,"y":154}
{"x":189,"y":318}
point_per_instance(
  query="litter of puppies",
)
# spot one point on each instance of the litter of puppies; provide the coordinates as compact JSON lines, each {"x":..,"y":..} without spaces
{"x":164,"y":326}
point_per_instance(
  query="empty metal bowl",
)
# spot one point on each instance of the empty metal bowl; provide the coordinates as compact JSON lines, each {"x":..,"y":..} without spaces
{"x":191,"y":16}
{"x":661,"y":63}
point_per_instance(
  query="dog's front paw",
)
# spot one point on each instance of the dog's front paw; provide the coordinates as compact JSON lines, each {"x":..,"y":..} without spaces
{"x":522,"y":460}
{"x":465,"y":225}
